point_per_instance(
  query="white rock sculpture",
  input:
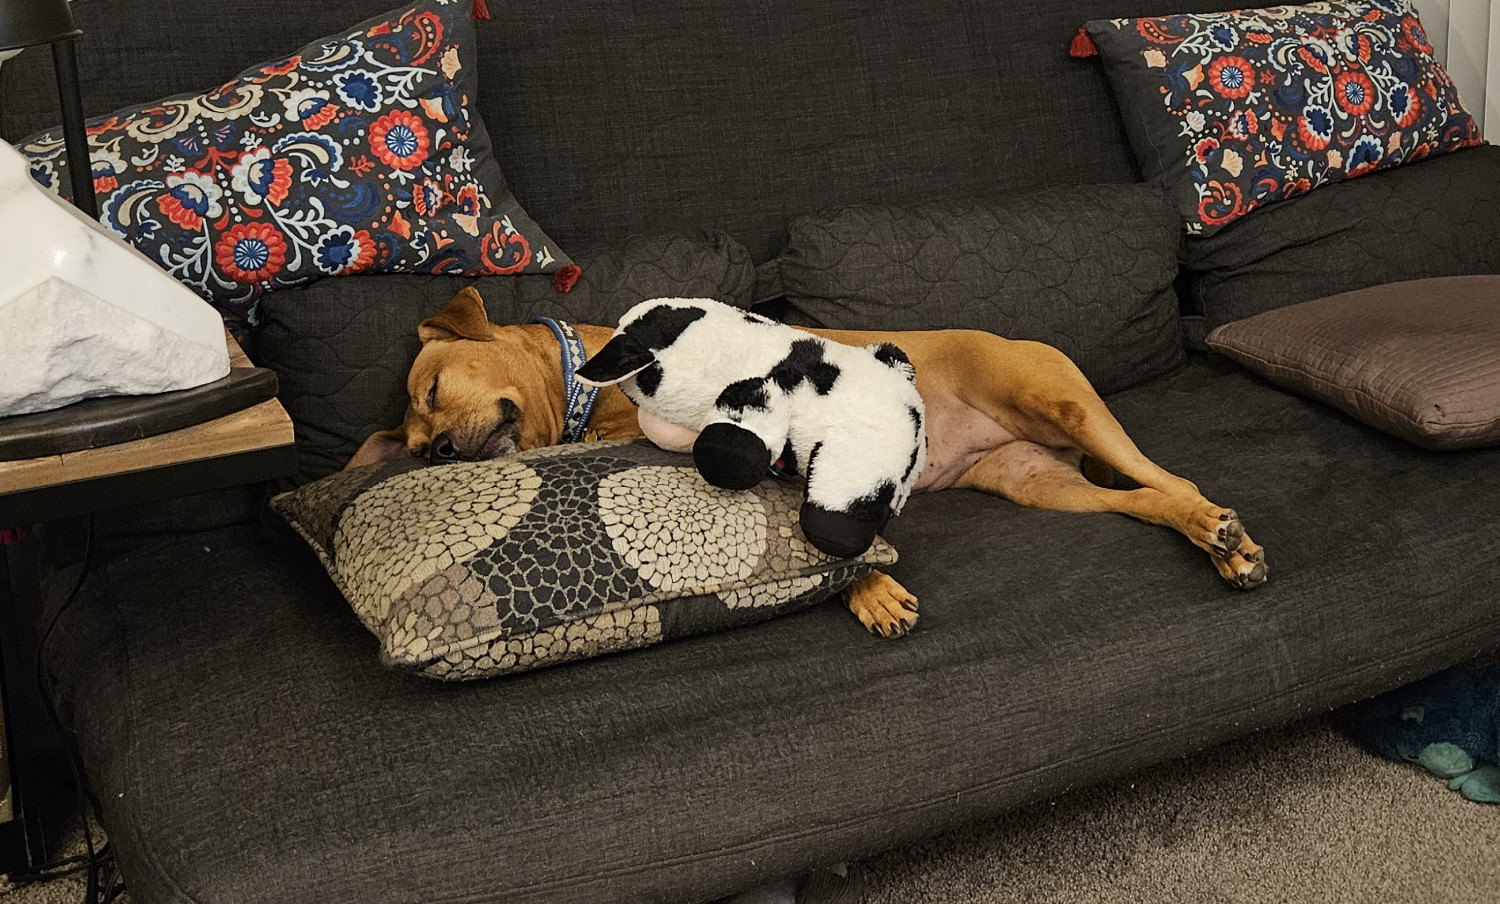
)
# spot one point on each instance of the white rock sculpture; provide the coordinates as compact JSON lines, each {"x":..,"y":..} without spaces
{"x":83,"y":314}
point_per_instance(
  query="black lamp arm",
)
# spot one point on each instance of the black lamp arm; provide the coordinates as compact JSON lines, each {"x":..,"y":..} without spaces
{"x":80,"y":169}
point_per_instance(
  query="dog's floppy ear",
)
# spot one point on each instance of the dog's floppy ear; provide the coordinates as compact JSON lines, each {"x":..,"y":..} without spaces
{"x":621,"y":358}
{"x":383,"y":445}
{"x":463,"y":317}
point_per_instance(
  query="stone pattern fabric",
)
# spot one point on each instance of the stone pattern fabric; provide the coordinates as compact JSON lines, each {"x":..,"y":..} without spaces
{"x":477,"y":569}
{"x":1087,"y":269}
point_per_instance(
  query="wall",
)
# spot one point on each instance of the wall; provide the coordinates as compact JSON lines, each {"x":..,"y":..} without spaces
{"x":1466,"y":35}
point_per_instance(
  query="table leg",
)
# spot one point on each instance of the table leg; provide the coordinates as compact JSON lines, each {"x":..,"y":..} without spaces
{"x":41,"y":798}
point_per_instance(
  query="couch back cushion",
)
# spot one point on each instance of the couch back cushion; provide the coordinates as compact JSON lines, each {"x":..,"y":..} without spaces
{"x":342,"y":347}
{"x":1087,"y":269}
{"x":610,"y":119}
{"x":1438,"y":217}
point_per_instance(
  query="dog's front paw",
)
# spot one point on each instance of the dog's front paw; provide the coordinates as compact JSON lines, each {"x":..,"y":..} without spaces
{"x":883,"y":606}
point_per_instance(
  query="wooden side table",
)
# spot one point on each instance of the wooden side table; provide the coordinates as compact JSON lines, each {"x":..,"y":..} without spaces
{"x":247,"y":446}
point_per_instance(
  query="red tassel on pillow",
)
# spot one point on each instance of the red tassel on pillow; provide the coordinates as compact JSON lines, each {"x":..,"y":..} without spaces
{"x":9,"y":535}
{"x":1082,"y":46}
{"x":566,"y":277}
{"x":481,"y":10}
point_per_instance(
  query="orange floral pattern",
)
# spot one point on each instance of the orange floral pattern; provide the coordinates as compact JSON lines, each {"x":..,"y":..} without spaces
{"x":1266,"y":104}
{"x":353,"y":155}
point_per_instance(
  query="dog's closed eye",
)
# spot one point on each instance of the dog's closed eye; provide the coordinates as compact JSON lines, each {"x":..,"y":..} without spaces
{"x":432,"y":394}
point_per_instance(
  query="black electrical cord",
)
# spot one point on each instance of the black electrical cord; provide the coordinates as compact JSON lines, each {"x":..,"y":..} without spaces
{"x":96,"y":859}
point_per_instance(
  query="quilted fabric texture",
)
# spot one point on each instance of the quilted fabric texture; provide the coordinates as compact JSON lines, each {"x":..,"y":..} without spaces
{"x":1440,"y":217}
{"x":1088,"y":270}
{"x":342,"y":347}
{"x":360,"y":153}
{"x":1418,"y":359}
{"x":1232,"y":111}
{"x":484,"y":568}
{"x":957,"y":99}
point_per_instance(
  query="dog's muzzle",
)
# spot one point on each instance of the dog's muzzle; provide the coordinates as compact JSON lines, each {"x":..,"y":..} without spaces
{"x":503,"y":439}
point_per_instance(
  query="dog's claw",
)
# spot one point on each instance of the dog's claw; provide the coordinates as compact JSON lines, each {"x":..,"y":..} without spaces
{"x":882,"y":605}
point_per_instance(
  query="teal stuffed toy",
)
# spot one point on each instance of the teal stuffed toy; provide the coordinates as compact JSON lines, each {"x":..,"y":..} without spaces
{"x":1449,"y":723}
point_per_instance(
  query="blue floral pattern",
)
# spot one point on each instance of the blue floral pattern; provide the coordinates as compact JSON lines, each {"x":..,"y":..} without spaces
{"x":1232,"y":111}
{"x":358,"y":154}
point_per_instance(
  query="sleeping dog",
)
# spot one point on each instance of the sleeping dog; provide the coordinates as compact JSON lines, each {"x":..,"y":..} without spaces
{"x":1014,"y":418}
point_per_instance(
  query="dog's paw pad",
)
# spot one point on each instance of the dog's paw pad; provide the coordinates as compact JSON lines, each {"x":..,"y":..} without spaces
{"x":1221,"y":529}
{"x":1252,"y":578}
{"x":1245,"y":566}
{"x":1229,"y":535}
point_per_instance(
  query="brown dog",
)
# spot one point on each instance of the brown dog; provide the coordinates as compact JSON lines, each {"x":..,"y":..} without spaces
{"x":1013,"y":418}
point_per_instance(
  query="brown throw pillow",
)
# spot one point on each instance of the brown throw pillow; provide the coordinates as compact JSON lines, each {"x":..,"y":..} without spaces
{"x":1418,"y":359}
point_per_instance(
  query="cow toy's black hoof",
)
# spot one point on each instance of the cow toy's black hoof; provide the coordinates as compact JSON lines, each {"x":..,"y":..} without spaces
{"x":730,"y":457}
{"x":838,"y":534}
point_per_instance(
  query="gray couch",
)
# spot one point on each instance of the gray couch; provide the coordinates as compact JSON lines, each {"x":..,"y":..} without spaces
{"x":246,"y":746}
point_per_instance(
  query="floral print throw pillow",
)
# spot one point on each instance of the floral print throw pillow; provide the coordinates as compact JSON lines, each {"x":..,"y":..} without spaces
{"x":1232,"y":111}
{"x":360,"y":153}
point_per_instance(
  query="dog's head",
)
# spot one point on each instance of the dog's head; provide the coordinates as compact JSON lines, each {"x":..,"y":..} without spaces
{"x":467,"y":391}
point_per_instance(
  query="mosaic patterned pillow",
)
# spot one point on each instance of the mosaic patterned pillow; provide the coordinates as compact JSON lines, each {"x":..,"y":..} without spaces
{"x":1232,"y":111}
{"x":360,"y":153}
{"x":483,"y":568}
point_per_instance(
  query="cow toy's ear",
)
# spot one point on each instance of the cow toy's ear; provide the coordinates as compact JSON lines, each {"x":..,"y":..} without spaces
{"x":620,"y":359}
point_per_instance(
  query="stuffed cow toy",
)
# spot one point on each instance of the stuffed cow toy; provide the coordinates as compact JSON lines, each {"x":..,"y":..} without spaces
{"x":741,"y":391}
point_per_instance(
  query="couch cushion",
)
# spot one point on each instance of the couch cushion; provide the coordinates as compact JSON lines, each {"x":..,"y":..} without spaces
{"x":244,"y":745}
{"x":361,"y":152}
{"x":612,"y":119}
{"x":477,"y":569}
{"x":342,"y":347}
{"x":1086,"y":269}
{"x":1230,"y":111}
{"x":1418,"y":359}
{"x":1440,"y":217}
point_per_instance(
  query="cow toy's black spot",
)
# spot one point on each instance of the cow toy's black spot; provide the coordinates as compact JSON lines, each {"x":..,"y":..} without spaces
{"x":805,"y":362}
{"x":661,"y":326}
{"x":744,"y":394}
{"x":891,"y":356}
{"x":649,"y":380}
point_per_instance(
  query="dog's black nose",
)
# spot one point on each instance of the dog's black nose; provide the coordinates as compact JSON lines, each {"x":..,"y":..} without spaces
{"x":442,"y":449}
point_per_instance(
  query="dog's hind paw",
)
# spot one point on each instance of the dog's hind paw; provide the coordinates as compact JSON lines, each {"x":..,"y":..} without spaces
{"x":1229,"y":533}
{"x":1244,"y":566}
{"x":1215,"y":529}
{"x":882,"y":605}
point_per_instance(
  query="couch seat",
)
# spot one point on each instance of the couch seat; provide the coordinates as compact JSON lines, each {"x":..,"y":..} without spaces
{"x":247,"y":747}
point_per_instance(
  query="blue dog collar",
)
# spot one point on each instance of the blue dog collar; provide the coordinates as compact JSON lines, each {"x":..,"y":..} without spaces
{"x":580,"y":398}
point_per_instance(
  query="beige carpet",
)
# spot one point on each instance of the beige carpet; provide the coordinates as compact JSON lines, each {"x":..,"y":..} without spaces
{"x":1297,"y":815}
